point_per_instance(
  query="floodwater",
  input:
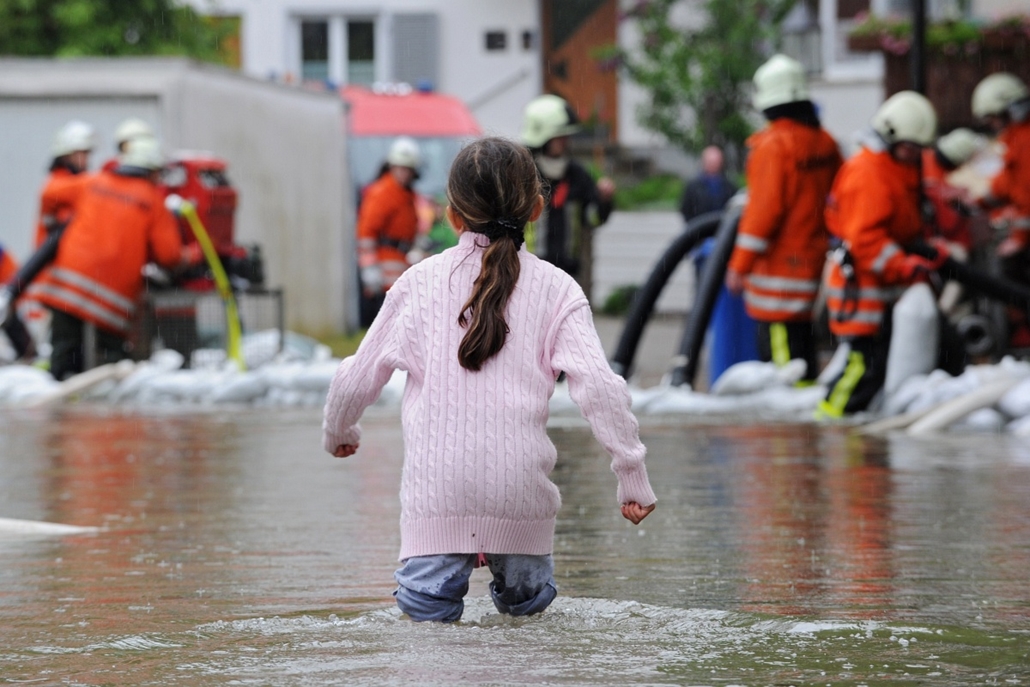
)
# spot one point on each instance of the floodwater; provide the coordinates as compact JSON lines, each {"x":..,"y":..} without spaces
{"x":233,"y":550}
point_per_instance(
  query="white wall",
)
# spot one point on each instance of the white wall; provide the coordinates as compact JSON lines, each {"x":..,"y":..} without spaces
{"x":287,"y":161}
{"x":846,"y":107}
{"x":497,"y":85}
{"x":284,"y":147}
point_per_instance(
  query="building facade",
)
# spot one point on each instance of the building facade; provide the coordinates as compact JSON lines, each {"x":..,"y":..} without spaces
{"x":485,"y":52}
{"x":496,"y":55}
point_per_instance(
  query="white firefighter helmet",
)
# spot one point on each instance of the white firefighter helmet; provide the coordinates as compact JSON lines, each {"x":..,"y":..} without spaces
{"x":779,"y":81}
{"x":143,"y":152}
{"x":131,"y":128}
{"x":547,"y":117}
{"x":71,"y":138}
{"x":997,"y":93}
{"x":906,"y":117}
{"x":404,"y":152}
{"x":959,"y":145}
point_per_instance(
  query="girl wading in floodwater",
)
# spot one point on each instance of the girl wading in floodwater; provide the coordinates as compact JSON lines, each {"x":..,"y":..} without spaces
{"x":483,"y":330}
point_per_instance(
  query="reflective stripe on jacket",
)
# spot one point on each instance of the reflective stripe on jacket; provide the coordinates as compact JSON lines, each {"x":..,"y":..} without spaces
{"x":387,"y":222}
{"x":782,"y":241}
{"x":874,"y":209}
{"x":120,"y":224}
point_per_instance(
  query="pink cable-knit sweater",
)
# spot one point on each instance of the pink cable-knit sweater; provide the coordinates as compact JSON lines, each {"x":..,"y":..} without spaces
{"x":476,"y":451}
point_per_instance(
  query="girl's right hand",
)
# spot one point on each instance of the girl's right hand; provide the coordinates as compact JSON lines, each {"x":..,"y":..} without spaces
{"x":345,"y":450}
{"x":634,"y":512}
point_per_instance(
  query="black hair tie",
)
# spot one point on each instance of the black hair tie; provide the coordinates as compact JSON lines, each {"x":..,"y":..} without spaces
{"x":506,"y":227}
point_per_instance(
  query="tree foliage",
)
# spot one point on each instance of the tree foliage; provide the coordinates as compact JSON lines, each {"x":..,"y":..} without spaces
{"x":696,"y":76}
{"x":74,"y":28}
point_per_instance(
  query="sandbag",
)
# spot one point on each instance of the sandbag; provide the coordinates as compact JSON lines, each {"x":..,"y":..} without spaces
{"x":982,"y":420}
{"x":915,"y":337}
{"x":1016,"y":402}
{"x":907,"y":392}
{"x":1020,"y":427}
{"x":751,"y":376}
{"x":241,"y":388}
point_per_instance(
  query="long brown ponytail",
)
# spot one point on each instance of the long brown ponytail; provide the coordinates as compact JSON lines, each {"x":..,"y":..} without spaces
{"x":494,"y":188}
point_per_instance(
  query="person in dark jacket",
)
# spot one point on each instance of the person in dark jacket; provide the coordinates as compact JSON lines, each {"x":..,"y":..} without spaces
{"x":708,"y":191}
{"x":576,"y":204}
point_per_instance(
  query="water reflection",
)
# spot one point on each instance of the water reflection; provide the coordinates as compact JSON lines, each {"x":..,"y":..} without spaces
{"x":234,"y":548}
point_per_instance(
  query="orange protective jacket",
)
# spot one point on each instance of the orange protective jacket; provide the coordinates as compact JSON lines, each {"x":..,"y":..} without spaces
{"x":874,"y":209}
{"x":782,"y":241}
{"x":57,"y":200}
{"x":120,"y":225}
{"x":950,"y":223}
{"x":1012,"y":184}
{"x":387,"y":227}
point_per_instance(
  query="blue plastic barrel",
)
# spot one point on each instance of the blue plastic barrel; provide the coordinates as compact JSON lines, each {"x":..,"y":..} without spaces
{"x":731,"y":337}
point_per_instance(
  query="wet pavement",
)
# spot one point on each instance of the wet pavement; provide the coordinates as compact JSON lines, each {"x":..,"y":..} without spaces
{"x":233,"y":550}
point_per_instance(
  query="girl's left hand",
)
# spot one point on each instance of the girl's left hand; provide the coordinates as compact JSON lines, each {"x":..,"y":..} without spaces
{"x":634,"y":512}
{"x":345,"y":450}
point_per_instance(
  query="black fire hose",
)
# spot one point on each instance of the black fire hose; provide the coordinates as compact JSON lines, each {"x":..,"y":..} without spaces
{"x":696,"y":231}
{"x":43,"y":256}
{"x":12,"y":326}
{"x":996,"y":288}
{"x":712,"y":277}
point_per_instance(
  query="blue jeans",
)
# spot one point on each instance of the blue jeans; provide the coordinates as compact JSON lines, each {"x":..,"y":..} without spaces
{"x":434,"y":587}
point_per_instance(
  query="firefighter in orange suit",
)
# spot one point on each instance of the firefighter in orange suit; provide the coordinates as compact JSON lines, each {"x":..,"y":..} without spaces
{"x":127,"y":130}
{"x":950,"y":204}
{"x":387,"y":225}
{"x":955,"y":220}
{"x":71,"y":149}
{"x":874,"y":210}
{"x":1002,"y":101}
{"x":120,"y":224}
{"x":782,"y":241}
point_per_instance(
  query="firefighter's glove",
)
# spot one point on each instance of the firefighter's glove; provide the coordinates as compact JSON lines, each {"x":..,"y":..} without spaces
{"x":372,"y":279}
{"x":192,"y":255}
{"x":915,"y":268}
{"x":943,"y":253}
{"x":175,"y":204}
{"x":415,"y":255}
{"x":734,"y":282}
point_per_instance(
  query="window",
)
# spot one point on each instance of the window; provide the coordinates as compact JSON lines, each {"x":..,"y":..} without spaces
{"x":496,"y":40}
{"x":314,"y":50}
{"x":361,"y":52}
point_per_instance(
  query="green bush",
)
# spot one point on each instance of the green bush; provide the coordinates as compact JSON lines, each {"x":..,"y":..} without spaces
{"x":618,"y":301}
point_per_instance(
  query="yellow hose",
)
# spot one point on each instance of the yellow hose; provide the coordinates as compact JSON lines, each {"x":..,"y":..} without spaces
{"x":233,"y":344}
